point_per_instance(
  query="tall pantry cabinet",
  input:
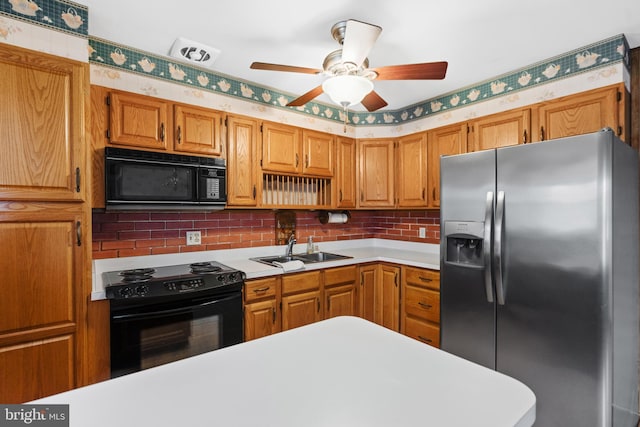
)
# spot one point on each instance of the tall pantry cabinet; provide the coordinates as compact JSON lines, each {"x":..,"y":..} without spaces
{"x":45,"y":237}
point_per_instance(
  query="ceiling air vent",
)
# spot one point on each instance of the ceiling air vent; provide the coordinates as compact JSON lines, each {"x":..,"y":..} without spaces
{"x":194,"y":52}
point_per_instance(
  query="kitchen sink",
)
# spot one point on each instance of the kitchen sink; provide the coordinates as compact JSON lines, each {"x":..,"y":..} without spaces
{"x":305,"y":258}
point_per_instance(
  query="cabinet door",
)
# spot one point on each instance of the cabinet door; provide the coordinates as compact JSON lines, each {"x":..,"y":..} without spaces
{"x":501,"y":130}
{"x":42,"y":117}
{"x":301,"y":309}
{"x":346,"y":173}
{"x":578,"y":114}
{"x":341,"y":292}
{"x":389,"y":297}
{"x":197,"y":130}
{"x":442,"y":141}
{"x":242,"y":163}
{"x":280,"y":148}
{"x":318,"y":153}
{"x":37,"y":369}
{"x":367,"y":300}
{"x":138,"y":121}
{"x":260,"y":319}
{"x":376,"y":158}
{"x":412,"y":170}
{"x":43,"y":264}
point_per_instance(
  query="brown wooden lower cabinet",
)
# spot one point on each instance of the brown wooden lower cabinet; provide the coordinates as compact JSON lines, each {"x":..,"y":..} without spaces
{"x":405,"y":299}
{"x":420,"y":306}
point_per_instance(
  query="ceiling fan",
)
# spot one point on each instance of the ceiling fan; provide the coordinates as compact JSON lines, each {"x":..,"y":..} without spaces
{"x":350,"y":78}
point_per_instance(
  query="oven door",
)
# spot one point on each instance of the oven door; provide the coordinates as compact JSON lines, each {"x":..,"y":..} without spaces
{"x":167,"y":329}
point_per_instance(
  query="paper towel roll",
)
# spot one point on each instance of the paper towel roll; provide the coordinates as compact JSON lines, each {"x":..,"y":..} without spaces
{"x":337,"y":218}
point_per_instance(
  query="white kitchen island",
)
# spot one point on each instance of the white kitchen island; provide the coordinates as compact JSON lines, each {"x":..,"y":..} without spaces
{"x":339,"y":372}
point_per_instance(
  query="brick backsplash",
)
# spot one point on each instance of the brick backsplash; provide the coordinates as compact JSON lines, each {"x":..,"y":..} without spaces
{"x":132,"y":234}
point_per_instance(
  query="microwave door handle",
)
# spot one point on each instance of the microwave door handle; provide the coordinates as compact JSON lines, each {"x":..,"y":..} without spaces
{"x":486,"y":245}
{"x":498,"y":248}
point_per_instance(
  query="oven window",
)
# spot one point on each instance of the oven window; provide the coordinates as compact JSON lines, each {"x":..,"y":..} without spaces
{"x":144,"y":336}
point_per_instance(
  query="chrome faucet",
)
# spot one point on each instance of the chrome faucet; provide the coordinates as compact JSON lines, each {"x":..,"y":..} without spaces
{"x":292,"y":241}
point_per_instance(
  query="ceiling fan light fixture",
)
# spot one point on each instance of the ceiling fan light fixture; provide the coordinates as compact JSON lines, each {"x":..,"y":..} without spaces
{"x":347,"y":90}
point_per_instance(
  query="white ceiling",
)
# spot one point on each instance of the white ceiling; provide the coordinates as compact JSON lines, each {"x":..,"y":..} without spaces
{"x":480,"y":39}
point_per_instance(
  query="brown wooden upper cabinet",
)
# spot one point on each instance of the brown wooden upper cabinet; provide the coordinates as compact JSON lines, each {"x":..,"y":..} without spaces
{"x":412,"y":168}
{"x":140,"y":121}
{"x":293,"y":150}
{"x":443,"y":141}
{"x":346,"y":175}
{"x":377,"y":171}
{"x":43,"y":121}
{"x":500,"y":130}
{"x":242,"y":161}
{"x":582,"y":113}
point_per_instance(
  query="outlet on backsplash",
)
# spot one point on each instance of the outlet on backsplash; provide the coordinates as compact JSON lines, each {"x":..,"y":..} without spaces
{"x":194,"y":238}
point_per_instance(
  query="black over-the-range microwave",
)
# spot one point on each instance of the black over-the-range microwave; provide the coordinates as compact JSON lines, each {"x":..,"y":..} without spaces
{"x":145,"y":180}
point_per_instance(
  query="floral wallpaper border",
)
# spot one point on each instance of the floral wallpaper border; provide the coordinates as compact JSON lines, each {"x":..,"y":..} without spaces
{"x":588,"y":58}
{"x":60,"y":15}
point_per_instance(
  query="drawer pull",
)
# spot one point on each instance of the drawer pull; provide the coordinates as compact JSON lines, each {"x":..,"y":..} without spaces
{"x":425,"y":279}
{"x":425,"y":305}
{"x":423,"y":339}
{"x":260,"y":290}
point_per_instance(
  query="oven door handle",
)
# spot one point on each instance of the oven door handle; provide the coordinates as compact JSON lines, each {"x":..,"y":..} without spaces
{"x":161,"y":313}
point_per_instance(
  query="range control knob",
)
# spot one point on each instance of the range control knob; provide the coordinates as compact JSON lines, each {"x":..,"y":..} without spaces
{"x":142,"y":290}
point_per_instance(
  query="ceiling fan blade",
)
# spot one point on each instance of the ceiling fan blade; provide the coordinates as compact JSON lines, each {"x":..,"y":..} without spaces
{"x":303,"y":99}
{"x":359,"y":38}
{"x":279,"y":67}
{"x":423,"y":71}
{"x":373,"y":101}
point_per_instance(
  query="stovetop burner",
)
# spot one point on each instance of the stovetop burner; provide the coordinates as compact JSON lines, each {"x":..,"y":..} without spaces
{"x":204,"y":267}
{"x":137,"y":274}
{"x":170,"y":280}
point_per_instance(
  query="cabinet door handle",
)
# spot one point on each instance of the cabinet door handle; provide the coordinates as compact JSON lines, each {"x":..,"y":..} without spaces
{"x":433,"y":193}
{"x":77,"y":180}
{"x":261,"y":290}
{"x":306,"y":160}
{"x":425,"y":305}
{"x":297,"y":160}
{"x":424,"y":339}
{"x":541,"y":133}
{"x":78,"y":233}
{"x":254,"y":192}
{"x":361,"y":195}
{"x":179,"y":135}
{"x":162,"y":132}
{"x":524,"y":137}
{"x":274,"y":314}
{"x":318,"y":301}
{"x":340,"y":195}
{"x":395,"y":279}
{"x":423,"y":192}
{"x":425,"y":279}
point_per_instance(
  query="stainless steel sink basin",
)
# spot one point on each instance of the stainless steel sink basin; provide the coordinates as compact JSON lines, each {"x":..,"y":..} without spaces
{"x":305,"y":258}
{"x":320,"y":257}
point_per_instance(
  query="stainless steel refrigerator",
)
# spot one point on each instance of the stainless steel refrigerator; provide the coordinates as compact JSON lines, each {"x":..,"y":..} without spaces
{"x":539,"y":272}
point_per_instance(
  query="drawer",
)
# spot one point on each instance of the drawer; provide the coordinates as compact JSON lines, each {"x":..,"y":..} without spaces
{"x":260,"y":289}
{"x":299,"y":282}
{"x":340,"y":275}
{"x":421,"y":277}
{"x":423,"y":331}
{"x":423,"y":303}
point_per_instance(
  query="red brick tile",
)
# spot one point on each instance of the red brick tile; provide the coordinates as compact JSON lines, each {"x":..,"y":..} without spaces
{"x":134,"y":252}
{"x":118,"y":244}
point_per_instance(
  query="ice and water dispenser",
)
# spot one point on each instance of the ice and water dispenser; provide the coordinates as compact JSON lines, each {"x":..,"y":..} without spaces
{"x":464,"y":243}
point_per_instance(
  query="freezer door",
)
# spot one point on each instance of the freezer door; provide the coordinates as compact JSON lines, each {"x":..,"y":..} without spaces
{"x":467,"y":311}
{"x":551,"y":327}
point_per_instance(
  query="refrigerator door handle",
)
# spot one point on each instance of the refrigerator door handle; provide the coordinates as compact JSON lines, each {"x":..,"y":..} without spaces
{"x":497,"y":238}
{"x":486,"y":245}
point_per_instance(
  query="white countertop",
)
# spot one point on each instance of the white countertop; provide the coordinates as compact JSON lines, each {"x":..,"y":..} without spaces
{"x":423,"y":255}
{"x":343,"y":371}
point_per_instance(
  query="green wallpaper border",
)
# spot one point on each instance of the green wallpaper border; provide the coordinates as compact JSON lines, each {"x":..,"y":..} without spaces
{"x":59,"y":15}
{"x":586,"y":59}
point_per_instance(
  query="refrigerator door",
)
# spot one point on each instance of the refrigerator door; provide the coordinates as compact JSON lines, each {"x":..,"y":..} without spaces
{"x":467,"y":309}
{"x":555,"y":268}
